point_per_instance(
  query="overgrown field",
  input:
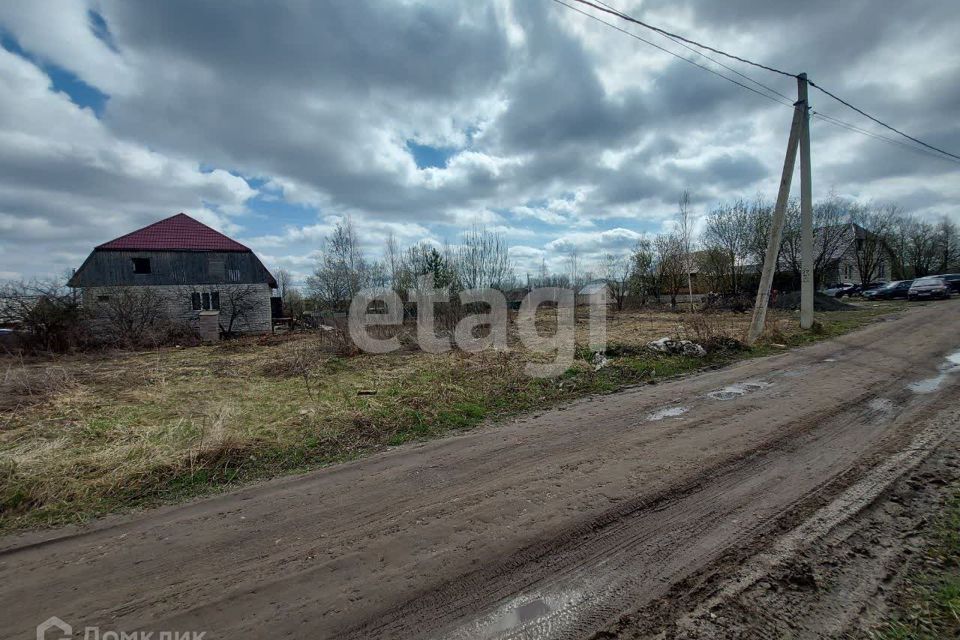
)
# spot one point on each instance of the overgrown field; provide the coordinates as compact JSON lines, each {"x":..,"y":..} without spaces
{"x":86,"y":435}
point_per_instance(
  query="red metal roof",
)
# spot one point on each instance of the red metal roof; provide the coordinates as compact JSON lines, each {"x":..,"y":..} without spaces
{"x":176,"y":233}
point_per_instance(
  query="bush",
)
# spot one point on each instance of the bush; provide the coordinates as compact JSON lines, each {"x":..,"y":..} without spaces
{"x":47,"y":316}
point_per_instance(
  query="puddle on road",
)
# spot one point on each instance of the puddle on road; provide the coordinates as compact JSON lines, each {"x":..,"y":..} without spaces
{"x":929,"y":385}
{"x":738,"y":389}
{"x":950,"y":365}
{"x":527,"y":612}
{"x":883,"y":405}
{"x":523,"y":612}
{"x":669,"y":412}
{"x":829,"y":359}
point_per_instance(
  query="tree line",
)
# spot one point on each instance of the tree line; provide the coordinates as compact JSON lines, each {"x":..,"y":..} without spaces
{"x":722,"y":252}
{"x":479,"y":259}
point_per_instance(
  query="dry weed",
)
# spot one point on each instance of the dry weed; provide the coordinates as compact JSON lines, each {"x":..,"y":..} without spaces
{"x":24,"y":385}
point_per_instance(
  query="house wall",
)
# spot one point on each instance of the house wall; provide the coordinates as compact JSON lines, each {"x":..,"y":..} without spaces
{"x":846,"y":269}
{"x":116,"y":268}
{"x":178,"y":305}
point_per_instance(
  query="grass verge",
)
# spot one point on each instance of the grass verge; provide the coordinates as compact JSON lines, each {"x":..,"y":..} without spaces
{"x":89,"y":435}
{"x":929,"y":604}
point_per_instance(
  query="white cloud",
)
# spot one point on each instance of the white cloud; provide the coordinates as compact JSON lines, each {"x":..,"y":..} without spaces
{"x":559,"y":127}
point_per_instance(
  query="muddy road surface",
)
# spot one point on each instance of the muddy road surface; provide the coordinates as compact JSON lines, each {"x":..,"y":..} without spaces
{"x":551,"y":526}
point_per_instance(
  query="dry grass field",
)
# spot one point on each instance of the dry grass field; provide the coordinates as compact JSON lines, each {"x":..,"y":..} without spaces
{"x":89,"y":434}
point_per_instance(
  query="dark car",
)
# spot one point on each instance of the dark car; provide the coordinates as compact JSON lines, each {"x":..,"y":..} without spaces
{"x":930,"y":287}
{"x":953,"y":279}
{"x":871,"y":287}
{"x":889,"y":291}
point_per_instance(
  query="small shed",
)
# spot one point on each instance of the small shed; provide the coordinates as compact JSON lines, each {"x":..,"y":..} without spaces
{"x":595,"y":293}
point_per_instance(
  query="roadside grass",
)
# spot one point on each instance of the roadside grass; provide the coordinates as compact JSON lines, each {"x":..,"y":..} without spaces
{"x":930,"y":602}
{"x":89,"y":435}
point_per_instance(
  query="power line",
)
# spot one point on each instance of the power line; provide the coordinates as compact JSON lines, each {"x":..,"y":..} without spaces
{"x":624,"y":16}
{"x":676,"y":55}
{"x":606,"y":8}
{"x":714,"y":60}
{"x":846,"y":125}
{"x":881,"y":123}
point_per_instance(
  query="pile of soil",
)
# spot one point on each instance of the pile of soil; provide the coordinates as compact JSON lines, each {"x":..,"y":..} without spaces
{"x":820,"y":302}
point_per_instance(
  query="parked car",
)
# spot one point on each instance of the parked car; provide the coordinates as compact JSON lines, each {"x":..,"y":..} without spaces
{"x":930,"y":287}
{"x":871,"y":287}
{"x":889,"y":291}
{"x":953,"y":279}
{"x":840,"y":289}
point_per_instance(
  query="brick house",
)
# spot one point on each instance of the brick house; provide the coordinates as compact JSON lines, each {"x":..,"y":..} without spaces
{"x":188,"y":268}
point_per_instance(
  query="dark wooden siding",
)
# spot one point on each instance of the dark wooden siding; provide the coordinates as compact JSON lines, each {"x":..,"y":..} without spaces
{"x":105,"y":268}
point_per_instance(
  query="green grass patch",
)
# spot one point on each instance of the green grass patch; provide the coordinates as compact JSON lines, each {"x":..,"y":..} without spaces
{"x":930,"y":601}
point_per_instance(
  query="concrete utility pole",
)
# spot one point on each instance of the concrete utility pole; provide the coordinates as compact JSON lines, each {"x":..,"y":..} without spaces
{"x":776,"y":226}
{"x":799,"y":136}
{"x":806,"y":210}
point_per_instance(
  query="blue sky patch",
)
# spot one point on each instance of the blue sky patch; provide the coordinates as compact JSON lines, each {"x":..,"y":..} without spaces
{"x":80,"y":93}
{"x":426,"y":156}
{"x":100,"y":29}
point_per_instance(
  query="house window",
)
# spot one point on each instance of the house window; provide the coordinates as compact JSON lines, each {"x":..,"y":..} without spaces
{"x":234,"y":275}
{"x":205,"y":301}
{"x":141,"y":265}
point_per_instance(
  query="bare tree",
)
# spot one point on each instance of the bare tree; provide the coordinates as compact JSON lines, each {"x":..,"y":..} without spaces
{"x":288,"y":293}
{"x":47,"y":313}
{"x":729,"y":230}
{"x":238,"y":305}
{"x":482,"y":260}
{"x":573,"y":267}
{"x":284,"y":281}
{"x":713,"y":263}
{"x":685,"y":232}
{"x":643,"y":276}
{"x":921,"y":247}
{"x":668,"y":249}
{"x":392,"y":260}
{"x":831,"y":238}
{"x":342,"y":270}
{"x":897,"y":246}
{"x":758,"y":232}
{"x":871,"y":225}
{"x":617,"y":272}
{"x":546,"y":279}
{"x":134,"y":316}
{"x":948,"y":246}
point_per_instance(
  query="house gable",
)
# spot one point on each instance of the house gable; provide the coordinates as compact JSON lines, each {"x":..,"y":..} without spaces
{"x":175,"y":251}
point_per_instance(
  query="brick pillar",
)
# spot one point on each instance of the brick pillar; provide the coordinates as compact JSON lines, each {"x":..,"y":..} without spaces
{"x":210,"y":326}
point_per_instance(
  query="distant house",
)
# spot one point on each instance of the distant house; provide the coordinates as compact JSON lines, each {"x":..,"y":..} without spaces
{"x":842,"y":253}
{"x":596,"y":292}
{"x":189,"y":266}
{"x":858,"y":249}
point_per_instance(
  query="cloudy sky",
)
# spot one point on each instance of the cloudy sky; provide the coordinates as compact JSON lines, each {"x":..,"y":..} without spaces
{"x":271,"y":121}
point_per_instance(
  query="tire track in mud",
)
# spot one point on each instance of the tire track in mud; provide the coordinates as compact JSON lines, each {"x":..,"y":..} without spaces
{"x":578,"y":581}
{"x":583,"y":512}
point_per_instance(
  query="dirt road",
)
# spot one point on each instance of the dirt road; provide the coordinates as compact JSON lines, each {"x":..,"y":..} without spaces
{"x":551,"y":526}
